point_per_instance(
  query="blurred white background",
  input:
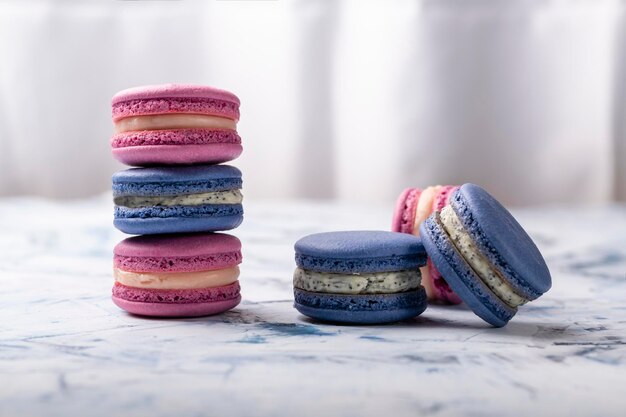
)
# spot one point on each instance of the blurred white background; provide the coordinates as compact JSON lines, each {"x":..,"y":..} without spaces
{"x":349,"y":99}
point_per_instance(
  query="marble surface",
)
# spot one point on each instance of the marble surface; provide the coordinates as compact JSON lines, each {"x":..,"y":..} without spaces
{"x":66,"y":350}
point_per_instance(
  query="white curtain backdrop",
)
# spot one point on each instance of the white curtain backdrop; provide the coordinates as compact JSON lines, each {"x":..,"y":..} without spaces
{"x":348,"y":99}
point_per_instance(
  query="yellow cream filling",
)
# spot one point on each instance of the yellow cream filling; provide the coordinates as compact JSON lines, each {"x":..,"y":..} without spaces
{"x":177,"y":280}
{"x":174,"y":121}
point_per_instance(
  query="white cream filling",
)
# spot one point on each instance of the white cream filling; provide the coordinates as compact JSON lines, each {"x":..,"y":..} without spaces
{"x":479,"y":263}
{"x":216,"y":197}
{"x":424,"y":206}
{"x":371,"y":283}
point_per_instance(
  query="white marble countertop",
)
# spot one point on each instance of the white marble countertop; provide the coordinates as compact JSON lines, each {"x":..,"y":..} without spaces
{"x":66,"y":350}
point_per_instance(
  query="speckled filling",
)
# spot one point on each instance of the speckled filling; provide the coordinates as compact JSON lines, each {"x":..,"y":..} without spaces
{"x":479,"y":263}
{"x":218,"y":197}
{"x":371,"y":283}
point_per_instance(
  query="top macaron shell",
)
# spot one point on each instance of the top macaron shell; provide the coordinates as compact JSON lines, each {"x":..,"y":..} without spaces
{"x":503,"y":240}
{"x":359,"y":252}
{"x":177,"y":253}
{"x":175,"y":180}
{"x":175,"y":98}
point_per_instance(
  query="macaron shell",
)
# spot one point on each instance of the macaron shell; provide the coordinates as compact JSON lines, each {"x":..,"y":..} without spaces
{"x":177,"y":253}
{"x":177,"y":154}
{"x":174,"y":90}
{"x":359,"y":251}
{"x":404,"y":214}
{"x":174,"y":98}
{"x":176,"y":146}
{"x":185,"y":296}
{"x":439,"y":286}
{"x":460,"y":276}
{"x":195,"y":173}
{"x":176,"y":264}
{"x":179,"y":211}
{"x":174,"y":137}
{"x":361,"y":309}
{"x":442,"y":198}
{"x":176,"y":310}
{"x":183,"y":245}
{"x":159,"y":225}
{"x":502,"y":240}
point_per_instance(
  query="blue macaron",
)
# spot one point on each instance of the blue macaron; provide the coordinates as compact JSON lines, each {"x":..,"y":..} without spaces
{"x":199,"y":198}
{"x":360,"y":277}
{"x":486,"y":256}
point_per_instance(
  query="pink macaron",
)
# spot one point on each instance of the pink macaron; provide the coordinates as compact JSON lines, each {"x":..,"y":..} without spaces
{"x":175,"y":124}
{"x":184,"y":275}
{"x":414,"y":206}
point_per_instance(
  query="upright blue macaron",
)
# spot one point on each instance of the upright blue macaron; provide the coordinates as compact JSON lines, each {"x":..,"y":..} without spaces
{"x":348,"y":255}
{"x":485,"y":233}
{"x":199,"y":198}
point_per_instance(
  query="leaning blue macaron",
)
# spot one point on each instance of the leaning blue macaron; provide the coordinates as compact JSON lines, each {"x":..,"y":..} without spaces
{"x":198,"y":198}
{"x":359,"y":277}
{"x":488,"y":259}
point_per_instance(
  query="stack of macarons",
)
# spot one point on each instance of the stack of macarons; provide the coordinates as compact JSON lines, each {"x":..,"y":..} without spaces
{"x":178,"y":195}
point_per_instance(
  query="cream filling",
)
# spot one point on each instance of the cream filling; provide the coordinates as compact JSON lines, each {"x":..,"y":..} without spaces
{"x":483,"y":268}
{"x":216,"y":197}
{"x":174,"y":121}
{"x":422,"y":211}
{"x":424,"y":207}
{"x":177,"y":280}
{"x":372,"y":283}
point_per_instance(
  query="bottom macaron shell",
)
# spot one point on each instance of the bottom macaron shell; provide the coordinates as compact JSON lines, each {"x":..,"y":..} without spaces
{"x":151,"y":226}
{"x":177,"y":154}
{"x":199,"y":295}
{"x":176,"y":310}
{"x":461,"y":278}
{"x":361,"y":309}
{"x":176,"y":303}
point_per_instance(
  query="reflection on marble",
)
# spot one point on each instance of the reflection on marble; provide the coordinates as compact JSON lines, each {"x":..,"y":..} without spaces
{"x":66,"y":350}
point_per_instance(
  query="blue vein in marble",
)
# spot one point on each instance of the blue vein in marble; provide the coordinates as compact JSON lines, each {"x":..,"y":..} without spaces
{"x":293,"y":329}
